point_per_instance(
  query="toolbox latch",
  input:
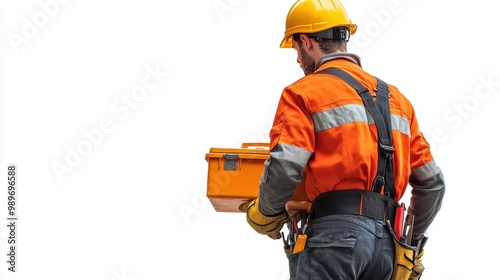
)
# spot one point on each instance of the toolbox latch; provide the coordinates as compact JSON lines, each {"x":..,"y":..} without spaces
{"x":230,"y":162}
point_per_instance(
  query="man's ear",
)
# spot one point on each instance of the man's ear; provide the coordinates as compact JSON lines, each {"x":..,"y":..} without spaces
{"x":306,"y":41}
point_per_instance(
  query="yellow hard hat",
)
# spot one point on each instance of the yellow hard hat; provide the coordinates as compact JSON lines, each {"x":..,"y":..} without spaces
{"x":312,"y":16}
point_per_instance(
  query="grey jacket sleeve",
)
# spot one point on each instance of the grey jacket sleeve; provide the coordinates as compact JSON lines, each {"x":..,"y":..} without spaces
{"x":427,"y":195}
{"x":282,"y":173}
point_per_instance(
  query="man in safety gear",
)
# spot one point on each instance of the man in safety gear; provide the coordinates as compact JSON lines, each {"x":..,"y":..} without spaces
{"x":327,"y":133}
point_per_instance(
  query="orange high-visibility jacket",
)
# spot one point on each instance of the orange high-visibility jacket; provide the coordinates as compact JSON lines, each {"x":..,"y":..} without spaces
{"x":323,"y":131}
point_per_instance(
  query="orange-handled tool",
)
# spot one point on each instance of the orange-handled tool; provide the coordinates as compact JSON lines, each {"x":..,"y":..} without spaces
{"x":398,"y":220}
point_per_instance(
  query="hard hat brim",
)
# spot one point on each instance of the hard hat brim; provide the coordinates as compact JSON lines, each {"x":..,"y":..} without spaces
{"x":286,"y":42}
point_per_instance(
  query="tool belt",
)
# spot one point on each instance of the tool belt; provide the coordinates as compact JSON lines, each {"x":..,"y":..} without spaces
{"x":363,"y":203}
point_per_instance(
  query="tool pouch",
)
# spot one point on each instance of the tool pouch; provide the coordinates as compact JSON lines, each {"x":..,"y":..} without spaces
{"x":404,"y":256}
{"x":418,"y":268}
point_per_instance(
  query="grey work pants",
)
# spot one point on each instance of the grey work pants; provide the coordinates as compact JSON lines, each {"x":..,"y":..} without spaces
{"x":344,"y":247}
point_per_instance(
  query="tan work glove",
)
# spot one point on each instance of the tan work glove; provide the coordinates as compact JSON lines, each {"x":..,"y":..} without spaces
{"x":418,"y":267}
{"x":266,"y":225}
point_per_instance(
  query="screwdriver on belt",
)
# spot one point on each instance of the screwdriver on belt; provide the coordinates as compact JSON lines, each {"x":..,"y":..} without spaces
{"x":407,"y":230}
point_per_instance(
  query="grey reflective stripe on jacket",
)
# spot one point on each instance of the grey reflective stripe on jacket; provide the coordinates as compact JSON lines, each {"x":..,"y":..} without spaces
{"x":428,"y":191}
{"x":354,"y":113}
{"x":282,"y":173}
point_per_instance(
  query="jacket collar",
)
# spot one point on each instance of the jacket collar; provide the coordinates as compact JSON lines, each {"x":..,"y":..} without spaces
{"x":342,"y":55}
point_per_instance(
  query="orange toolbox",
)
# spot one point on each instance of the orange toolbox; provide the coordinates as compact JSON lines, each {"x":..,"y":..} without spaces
{"x":234,"y":177}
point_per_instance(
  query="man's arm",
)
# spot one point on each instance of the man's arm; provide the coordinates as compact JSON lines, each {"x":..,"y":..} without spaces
{"x":282,"y":174}
{"x":292,"y":142}
{"x":427,"y":195}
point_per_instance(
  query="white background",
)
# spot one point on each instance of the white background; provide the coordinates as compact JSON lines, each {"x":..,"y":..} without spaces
{"x":134,"y":206}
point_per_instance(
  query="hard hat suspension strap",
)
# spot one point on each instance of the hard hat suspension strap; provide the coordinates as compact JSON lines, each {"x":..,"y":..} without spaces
{"x":335,"y":33}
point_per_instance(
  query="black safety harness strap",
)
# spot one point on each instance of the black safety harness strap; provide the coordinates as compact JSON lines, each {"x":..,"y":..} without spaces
{"x":367,"y":203}
{"x":381,"y":114}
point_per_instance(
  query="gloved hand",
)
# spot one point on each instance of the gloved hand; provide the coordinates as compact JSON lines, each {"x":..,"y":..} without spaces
{"x":266,"y":225}
{"x":418,"y":267}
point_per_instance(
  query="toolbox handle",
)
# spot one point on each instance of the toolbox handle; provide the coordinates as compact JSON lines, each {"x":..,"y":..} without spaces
{"x":255,"y":144}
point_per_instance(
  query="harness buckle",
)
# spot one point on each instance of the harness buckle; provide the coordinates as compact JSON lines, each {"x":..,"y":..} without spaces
{"x":387,"y":150}
{"x":378,"y":183}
